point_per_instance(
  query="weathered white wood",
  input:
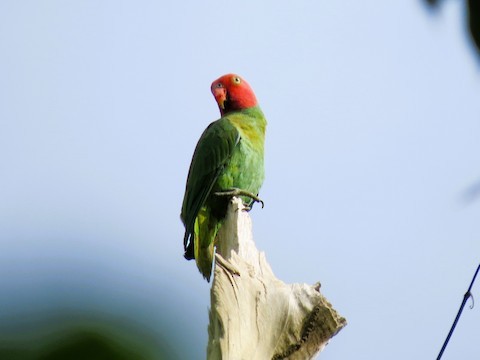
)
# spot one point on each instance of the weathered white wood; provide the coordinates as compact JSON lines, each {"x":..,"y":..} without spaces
{"x":254,"y":315}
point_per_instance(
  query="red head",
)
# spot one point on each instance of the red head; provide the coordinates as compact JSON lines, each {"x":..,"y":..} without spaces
{"x":233,"y":93}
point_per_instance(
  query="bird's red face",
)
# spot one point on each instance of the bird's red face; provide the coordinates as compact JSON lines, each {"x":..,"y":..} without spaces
{"x":233,"y":93}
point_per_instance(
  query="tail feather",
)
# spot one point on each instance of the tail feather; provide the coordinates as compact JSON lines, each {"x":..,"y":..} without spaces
{"x":204,"y":259}
{"x":206,"y":228}
{"x":188,"y":246}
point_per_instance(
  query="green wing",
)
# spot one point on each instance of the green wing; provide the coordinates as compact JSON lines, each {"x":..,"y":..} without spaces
{"x":212,"y":154}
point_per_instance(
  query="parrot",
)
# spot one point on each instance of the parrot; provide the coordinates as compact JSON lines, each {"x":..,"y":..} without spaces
{"x":227,"y":161}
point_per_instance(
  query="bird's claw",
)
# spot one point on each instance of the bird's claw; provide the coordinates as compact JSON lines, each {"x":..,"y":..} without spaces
{"x":240,"y":192}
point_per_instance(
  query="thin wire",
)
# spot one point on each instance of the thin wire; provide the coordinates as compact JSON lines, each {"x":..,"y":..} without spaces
{"x":467,"y":295}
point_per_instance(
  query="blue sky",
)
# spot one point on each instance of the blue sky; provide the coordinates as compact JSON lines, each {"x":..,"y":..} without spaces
{"x":373,"y":140}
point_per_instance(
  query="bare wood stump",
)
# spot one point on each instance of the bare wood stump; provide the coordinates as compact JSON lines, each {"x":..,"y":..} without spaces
{"x":253,"y":314}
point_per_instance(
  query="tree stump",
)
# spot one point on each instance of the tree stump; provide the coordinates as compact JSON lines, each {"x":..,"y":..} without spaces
{"x":253,"y":314}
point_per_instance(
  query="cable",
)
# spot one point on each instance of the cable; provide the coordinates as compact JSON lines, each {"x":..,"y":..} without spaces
{"x":467,"y":295}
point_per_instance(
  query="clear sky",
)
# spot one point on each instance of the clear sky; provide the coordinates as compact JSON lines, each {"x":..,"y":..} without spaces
{"x":373,"y":141}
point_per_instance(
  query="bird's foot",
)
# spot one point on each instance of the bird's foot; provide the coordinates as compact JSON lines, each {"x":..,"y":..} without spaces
{"x":239,"y":192}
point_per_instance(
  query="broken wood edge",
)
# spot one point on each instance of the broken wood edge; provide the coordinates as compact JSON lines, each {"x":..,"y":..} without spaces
{"x":254,"y":315}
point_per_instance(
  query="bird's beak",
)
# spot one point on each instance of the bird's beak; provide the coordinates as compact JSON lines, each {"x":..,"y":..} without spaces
{"x":220,"y":95}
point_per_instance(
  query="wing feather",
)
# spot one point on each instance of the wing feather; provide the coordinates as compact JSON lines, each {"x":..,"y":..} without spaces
{"x":211,"y":155}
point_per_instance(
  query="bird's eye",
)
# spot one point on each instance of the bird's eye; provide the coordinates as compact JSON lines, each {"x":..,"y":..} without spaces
{"x":236,"y":80}
{"x":219,"y":85}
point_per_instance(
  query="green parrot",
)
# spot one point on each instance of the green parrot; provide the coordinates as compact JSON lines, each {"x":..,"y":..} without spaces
{"x":228,"y":161}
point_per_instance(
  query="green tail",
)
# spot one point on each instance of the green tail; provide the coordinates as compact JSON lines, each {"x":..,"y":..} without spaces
{"x":205,"y":231}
